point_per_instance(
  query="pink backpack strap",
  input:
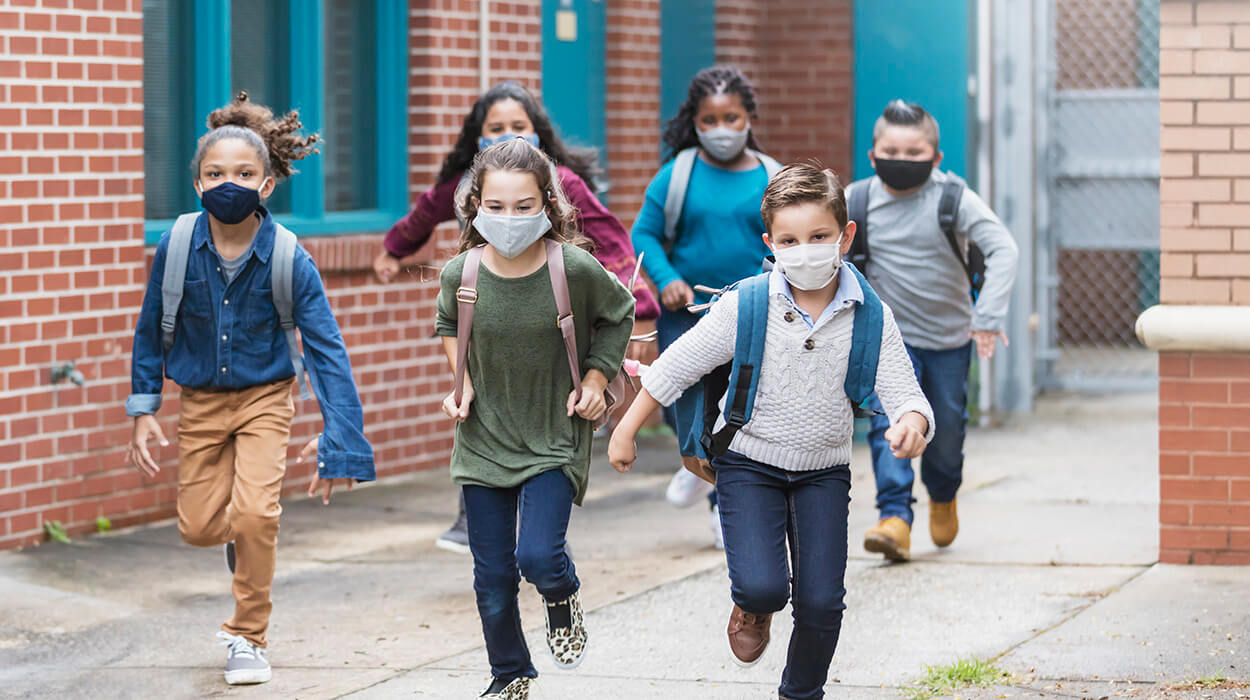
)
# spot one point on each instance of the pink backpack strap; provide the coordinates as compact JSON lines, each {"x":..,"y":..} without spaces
{"x":564,"y":309}
{"x":466,"y":299}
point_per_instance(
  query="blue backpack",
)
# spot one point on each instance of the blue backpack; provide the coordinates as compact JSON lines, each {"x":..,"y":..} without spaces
{"x":738,"y":380}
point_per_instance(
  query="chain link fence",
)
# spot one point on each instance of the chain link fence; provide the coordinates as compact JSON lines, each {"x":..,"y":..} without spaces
{"x":1098,"y":253}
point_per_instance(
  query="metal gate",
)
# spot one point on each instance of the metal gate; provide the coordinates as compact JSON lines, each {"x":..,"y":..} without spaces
{"x":1098,"y":236}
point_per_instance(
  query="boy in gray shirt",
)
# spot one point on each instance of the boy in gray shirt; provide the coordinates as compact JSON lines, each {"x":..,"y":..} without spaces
{"x":913,"y":266}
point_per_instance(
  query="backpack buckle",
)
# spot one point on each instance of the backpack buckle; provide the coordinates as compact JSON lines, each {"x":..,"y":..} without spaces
{"x":466,"y":295}
{"x":562,"y":318}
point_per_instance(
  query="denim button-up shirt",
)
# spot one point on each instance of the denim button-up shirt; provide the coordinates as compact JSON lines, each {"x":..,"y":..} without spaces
{"x":228,"y":336}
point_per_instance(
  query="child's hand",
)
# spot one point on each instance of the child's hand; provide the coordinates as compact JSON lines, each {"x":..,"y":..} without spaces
{"x":137,"y":452}
{"x":677,"y":295}
{"x":621,"y":450}
{"x":385,"y":267}
{"x":985,"y":342}
{"x":310,"y":452}
{"x":592,"y":404}
{"x":906,"y":437}
{"x":460,"y":413}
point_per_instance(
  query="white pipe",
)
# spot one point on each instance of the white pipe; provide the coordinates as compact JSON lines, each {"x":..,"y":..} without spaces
{"x":984,"y":107}
{"x":483,"y":45}
{"x":1195,"y":328}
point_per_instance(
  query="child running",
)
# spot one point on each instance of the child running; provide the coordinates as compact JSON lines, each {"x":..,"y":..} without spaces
{"x":785,"y":475}
{"x":236,"y":288}
{"x":509,"y":111}
{"x":523,"y":433}
{"x":700,"y":222}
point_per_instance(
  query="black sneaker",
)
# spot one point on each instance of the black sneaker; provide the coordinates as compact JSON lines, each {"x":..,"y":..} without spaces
{"x":456,"y":539}
{"x":515,"y":689}
{"x":230,"y":556}
{"x":566,"y":631}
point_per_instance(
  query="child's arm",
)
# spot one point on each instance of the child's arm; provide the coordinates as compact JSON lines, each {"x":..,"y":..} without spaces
{"x":458,"y":412}
{"x":342,"y":450}
{"x":982,"y":227}
{"x":621,"y":449}
{"x":406,"y":237}
{"x":911,"y":416}
{"x":648,"y":236}
{"x":147,"y":371}
{"x":445,"y":325}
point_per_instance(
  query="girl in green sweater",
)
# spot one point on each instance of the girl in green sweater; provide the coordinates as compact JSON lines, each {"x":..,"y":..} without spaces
{"x":523,"y":432}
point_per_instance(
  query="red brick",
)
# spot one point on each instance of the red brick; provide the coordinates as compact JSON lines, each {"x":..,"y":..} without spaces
{"x":1239,"y":490}
{"x":1225,"y":514}
{"x":1174,"y":391}
{"x":1193,"y":538}
{"x":1188,"y":490}
{"x":1221,"y":366}
{"x":1193,"y":439}
{"x":1173,"y":364}
{"x":1174,"y":514}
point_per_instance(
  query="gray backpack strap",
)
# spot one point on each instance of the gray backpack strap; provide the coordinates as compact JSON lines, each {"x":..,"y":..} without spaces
{"x":683,"y":164}
{"x":771,"y":166}
{"x":176,"y":255}
{"x":283,"y":283}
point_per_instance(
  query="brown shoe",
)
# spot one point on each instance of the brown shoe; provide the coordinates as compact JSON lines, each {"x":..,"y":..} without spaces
{"x":891,"y":537}
{"x":748,"y":636}
{"x":943,"y":522}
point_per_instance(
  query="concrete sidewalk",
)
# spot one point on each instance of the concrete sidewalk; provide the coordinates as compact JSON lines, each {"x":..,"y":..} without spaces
{"x":1052,"y":578}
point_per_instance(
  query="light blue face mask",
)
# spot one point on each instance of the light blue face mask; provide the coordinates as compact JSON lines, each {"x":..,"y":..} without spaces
{"x":511,"y":235}
{"x":485,"y":142}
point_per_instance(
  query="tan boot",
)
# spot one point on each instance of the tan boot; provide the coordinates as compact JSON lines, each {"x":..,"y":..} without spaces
{"x":748,"y":636}
{"x":943,"y":522}
{"x":891,"y":537}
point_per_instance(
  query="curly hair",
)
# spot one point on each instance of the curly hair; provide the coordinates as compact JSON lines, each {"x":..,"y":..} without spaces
{"x":580,"y":160}
{"x":277,"y":141}
{"x":679,"y":132}
{"x":801,"y":183}
{"x":518,"y":155}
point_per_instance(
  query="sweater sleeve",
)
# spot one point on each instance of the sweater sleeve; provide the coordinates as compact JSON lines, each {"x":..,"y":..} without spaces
{"x":435,"y":206}
{"x":979,"y":223}
{"x":448,"y":312}
{"x":610,"y":306}
{"x":697,"y":352}
{"x":613,"y":248}
{"x":648,"y":231}
{"x":896,"y":383}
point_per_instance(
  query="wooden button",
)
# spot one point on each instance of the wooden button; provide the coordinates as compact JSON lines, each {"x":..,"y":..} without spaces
{"x":809,"y":344}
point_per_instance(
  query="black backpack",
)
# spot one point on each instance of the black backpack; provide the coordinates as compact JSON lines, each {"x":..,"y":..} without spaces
{"x":948,"y":212}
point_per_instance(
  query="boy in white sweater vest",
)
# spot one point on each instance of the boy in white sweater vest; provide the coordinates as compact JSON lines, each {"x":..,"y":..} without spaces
{"x":786,"y":476}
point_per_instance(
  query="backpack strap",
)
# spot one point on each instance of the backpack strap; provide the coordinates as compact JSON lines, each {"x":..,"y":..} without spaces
{"x":466,"y":299}
{"x":564,"y":311}
{"x":176,"y":254}
{"x":744,"y":374}
{"x":861,"y":370}
{"x":679,"y":180}
{"x":282,"y":279}
{"x":857,"y":211}
{"x":948,"y":216}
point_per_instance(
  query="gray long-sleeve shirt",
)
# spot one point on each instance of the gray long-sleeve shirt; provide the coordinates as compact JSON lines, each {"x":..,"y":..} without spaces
{"x":914,"y":270}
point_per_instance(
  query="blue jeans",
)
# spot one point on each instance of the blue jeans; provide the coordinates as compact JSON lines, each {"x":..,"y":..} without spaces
{"x":680,"y":415}
{"x":943,"y":377}
{"x":500,"y":558}
{"x":761,"y":508}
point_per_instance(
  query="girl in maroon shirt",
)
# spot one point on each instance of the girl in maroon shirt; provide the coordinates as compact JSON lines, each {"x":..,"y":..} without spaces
{"x":509,"y":111}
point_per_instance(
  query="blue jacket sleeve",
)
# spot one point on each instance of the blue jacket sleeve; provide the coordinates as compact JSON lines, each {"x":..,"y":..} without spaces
{"x":147,"y":358}
{"x":648,"y":231}
{"x":343,"y":452}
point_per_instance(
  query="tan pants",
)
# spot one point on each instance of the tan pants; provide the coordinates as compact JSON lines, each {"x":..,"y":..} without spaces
{"x":232,"y":457}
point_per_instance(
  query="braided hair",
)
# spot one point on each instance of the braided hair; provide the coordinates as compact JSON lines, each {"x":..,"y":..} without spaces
{"x":679,"y":133}
{"x":580,"y":160}
{"x":277,"y":141}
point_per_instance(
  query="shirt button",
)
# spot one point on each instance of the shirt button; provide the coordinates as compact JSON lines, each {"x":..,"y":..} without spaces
{"x":789,"y":317}
{"x":223,"y":370}
{"x":321,"y":464}
{"x":226,"y":302}
{"x":223,"y":337}
{"x":809,"y":344}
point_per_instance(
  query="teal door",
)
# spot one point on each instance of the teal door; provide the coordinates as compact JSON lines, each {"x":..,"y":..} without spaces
{"x":574,"y":70}
{"x":687,"y":46}
{"x":919,"y":51}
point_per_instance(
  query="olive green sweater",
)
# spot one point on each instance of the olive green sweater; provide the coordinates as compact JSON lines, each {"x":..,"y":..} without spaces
{"x":518,"y":425}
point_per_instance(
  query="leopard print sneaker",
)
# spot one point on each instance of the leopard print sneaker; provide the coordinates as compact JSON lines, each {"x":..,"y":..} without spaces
{"x":566,"y":631}
{"x":516,"y":689}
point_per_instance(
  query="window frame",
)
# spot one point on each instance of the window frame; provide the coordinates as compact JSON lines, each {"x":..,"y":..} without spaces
{"x":308,"y":216}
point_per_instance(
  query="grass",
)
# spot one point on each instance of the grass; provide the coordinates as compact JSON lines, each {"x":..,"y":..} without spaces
{"x":1218,"y":681}
{"x":963,"y":673}
{"x":55,"y":531}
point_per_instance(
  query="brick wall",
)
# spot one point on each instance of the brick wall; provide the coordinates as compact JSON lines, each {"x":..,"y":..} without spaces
{"x":1204,"y":412}
{"x":71,"y":261}
{"x":633,"y":101}
{"x":798,"y":53}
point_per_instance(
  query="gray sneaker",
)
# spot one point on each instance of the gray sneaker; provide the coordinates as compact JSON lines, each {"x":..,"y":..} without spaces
{"x":456,"y":539}
{"x":246,"y":663}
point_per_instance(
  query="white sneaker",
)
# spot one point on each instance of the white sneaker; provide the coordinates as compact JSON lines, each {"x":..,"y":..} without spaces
{"x":717,"y":534}
{"x":246,"y":663}
{"x":686,"y":489}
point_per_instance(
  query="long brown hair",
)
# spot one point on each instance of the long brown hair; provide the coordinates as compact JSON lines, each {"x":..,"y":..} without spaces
{"x":517,"y":155}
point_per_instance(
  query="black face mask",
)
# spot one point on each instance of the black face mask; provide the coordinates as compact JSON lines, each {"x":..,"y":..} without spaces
{"x":230,"y":203}
{"x":903,"y":174}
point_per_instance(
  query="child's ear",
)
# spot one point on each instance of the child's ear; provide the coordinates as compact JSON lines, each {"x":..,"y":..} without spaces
{"x":267,"y":189}
{"x":767,"y":241}
{"x":872,"y":158}
{"x":848,"y":235}
{"x":938,"y":160}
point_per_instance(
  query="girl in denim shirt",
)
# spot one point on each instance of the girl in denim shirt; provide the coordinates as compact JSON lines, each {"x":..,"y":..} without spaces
{"x":230,"y":357}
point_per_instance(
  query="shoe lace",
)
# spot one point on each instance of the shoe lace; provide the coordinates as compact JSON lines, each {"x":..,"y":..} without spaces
{"x":239,"y":646}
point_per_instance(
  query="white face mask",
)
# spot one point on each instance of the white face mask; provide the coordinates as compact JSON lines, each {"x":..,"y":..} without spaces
{"x":811,"y":265}
{"x":722,"y":143}
{"x":511,"y":235}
